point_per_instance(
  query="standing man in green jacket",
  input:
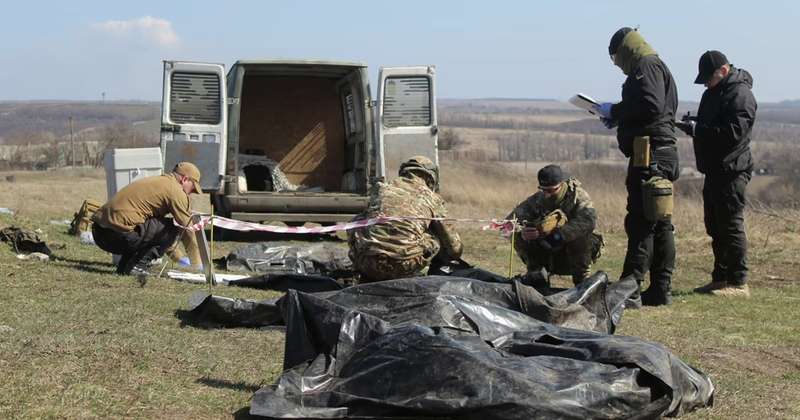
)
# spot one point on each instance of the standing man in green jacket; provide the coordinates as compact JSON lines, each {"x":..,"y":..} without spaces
{"x":721,"y":136}
{"x":647,"y":109}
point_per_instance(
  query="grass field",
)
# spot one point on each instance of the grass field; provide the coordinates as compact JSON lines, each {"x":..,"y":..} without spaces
{"x":78,"y":341}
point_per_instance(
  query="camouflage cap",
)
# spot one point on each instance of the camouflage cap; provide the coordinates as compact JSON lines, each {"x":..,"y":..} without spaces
{"x":189,"y":170}
{"x":421,"y":164}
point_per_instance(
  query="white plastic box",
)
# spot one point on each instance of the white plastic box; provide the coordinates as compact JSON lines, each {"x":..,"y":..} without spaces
{"x":124,"y":166}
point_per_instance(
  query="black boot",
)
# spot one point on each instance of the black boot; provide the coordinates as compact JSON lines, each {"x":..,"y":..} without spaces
{"x":123,"y":264}
{"x":538,"y":279}
{"x":657,"y":294}
{"x":139,"y":261}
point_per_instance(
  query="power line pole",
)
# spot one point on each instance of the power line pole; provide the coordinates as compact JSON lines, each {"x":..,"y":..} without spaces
{"x":72,"y":142}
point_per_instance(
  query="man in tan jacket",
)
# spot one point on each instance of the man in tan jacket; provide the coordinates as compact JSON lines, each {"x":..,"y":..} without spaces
{"x":134,"y":223}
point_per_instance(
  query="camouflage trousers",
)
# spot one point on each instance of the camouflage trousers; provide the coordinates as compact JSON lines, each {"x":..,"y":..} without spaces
{"x":380,"y":267}
{"x":574,"y":258}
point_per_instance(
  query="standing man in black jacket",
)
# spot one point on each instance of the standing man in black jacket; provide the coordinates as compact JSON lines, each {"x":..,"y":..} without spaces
{"x":648,"y":107}
{"x":721,"y":136}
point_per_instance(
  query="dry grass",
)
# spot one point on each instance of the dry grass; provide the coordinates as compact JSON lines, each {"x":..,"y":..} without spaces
{"x":78,"y":341}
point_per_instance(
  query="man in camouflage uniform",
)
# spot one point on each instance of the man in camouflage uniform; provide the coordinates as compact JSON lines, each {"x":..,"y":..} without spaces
{"x":404,"y":248}
{"x":567,"y":250}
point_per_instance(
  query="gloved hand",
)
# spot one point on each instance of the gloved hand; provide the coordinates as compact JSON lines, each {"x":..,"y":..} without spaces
{"x":687,"y":126}
{"x":609,"y":123}
{"x":184,"y":261}
{"x":555,"y":239}
{"x":604,"y":110}
{"x":544,"y":245}
{"x":530,"y":233}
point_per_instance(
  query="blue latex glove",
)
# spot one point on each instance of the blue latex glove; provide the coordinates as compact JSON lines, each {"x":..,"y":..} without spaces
{"x":608,"y":123}
{"x":184,"y":262}
{"x":604,"y":110}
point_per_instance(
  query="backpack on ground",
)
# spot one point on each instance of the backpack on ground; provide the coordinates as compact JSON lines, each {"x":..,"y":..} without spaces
{"x":82,"y":221}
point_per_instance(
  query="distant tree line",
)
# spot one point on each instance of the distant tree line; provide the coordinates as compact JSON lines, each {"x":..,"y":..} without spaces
{"x":584,"y":126}
{"x":19,"y":119}
{"x":43,"y":150}
{"x":538,"y":146}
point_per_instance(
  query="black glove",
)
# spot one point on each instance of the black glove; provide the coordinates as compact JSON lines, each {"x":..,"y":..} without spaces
{"x":552,"y":242}
{"x":687,"y":126}
{"x":555,"y":239}
{"x":545,"y":245}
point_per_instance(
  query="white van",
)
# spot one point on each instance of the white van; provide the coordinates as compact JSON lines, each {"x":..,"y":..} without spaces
{"x":294,"y":141}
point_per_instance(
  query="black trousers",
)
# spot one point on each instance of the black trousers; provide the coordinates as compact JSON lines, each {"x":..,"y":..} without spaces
{"x":723,"y":213}
{"x":651,"y":245}
{"x":146,"y":241}
{"x":573,"y":258}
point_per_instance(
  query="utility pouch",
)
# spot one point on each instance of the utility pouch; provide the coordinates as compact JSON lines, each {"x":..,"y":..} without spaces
{"x":657,"y":197}
{"x":641,"y":152}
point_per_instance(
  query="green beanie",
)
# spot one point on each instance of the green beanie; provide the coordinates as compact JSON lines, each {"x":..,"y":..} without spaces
{"x":632,"y":49}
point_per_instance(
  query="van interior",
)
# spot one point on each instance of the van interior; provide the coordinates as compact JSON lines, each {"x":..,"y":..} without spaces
{"x":309,"y":120}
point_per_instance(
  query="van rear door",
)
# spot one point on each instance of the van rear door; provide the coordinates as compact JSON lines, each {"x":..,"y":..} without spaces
{"x":194,"y":119}
{"x":407,"y":124}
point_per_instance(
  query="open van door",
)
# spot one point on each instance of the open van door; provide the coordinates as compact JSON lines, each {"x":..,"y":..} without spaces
{"x":194,"y":119}
{"x":407,"y":124}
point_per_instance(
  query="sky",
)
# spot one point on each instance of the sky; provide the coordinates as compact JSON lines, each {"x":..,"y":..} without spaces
{"x":77,"y":50}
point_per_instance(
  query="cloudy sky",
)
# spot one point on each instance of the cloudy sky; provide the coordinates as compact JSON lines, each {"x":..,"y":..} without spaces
{"x":515,"y":49}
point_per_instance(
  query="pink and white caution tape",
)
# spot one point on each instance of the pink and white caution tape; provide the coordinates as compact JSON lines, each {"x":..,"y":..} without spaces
{"x":241,"y":226}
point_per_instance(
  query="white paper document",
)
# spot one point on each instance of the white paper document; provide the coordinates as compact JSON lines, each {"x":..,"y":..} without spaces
{"x":584,"y":102}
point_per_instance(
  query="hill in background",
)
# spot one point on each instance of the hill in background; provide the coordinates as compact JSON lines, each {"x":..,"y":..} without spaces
{"x":487,"y":129}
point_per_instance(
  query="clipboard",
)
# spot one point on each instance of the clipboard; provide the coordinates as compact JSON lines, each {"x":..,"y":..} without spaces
{"x":584,"y":102}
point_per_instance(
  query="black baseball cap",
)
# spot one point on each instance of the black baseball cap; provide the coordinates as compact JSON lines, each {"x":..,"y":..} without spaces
{"x":710,"y":61}
{"x":550,"y":176}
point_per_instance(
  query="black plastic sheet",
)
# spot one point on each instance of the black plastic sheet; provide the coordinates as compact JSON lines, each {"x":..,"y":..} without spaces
{"x":217,"y":311}
{"x":463,"y":348}
{"x":594,"y":305}
{"x":285,"y":282}
{"x":276,"y":258}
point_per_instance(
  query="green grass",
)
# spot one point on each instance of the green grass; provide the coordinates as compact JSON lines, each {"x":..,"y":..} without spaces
{"x":78,"y":341}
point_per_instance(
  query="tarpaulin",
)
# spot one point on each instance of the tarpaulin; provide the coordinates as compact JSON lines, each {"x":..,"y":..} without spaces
{"x":285,"y":282}
{"x":218,"y":311}
{"x":594,"y":305}
{"x":463,"y":348}
{"x":275,"y":258}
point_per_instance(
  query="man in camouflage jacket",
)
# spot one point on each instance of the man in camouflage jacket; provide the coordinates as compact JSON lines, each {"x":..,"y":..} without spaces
{"x":404,"y":248}
{"x":567,"y":250}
